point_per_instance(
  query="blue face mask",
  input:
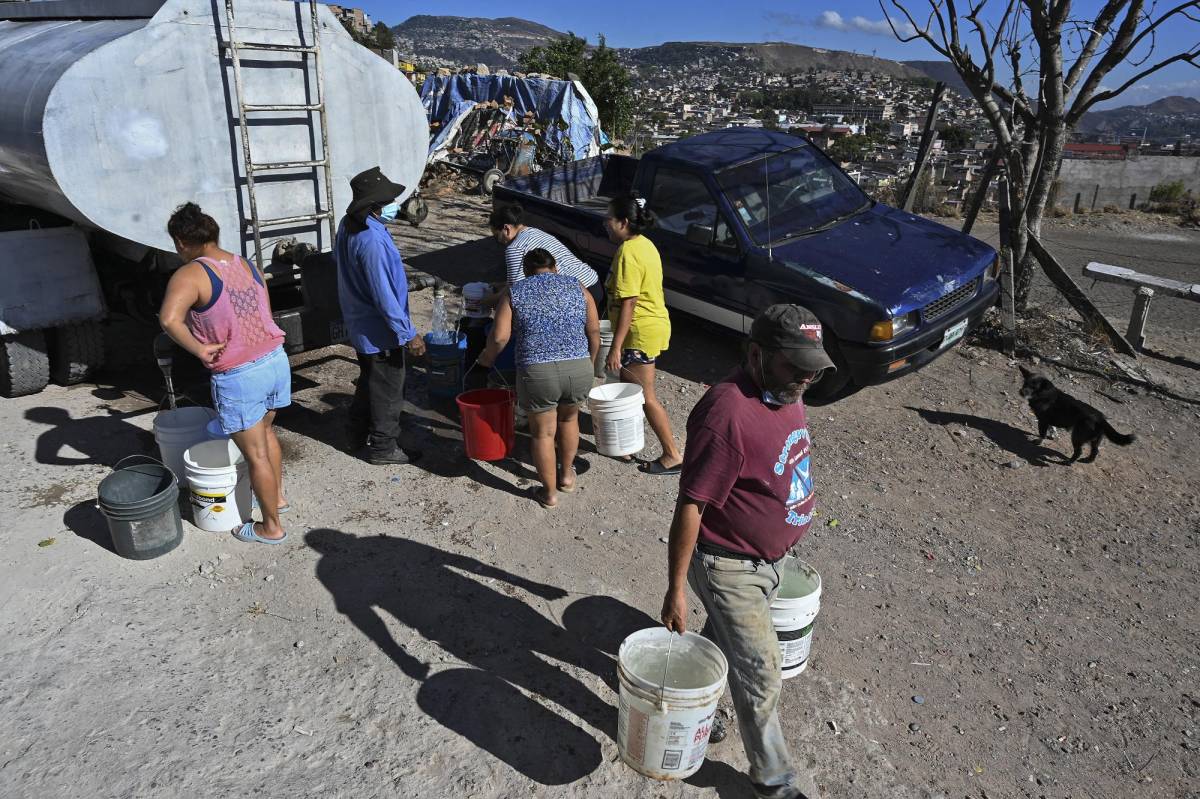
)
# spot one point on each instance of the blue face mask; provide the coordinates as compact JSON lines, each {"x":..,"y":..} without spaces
{"x":389,"y":212}
{"x":769,"y":398}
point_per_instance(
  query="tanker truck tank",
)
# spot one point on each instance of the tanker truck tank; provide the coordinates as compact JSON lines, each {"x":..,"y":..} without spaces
{"x":114,"y":112}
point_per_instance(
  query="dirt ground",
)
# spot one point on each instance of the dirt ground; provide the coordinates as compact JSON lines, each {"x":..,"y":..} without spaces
{"x":993,"y":623}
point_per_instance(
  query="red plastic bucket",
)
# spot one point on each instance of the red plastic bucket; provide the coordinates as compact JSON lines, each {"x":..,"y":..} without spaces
{"x":487,"y":423}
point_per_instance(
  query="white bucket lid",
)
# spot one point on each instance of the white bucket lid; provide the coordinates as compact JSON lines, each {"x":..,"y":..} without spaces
{"x":695,"y":661}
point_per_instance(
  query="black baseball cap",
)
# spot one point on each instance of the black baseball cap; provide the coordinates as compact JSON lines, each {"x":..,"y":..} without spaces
{"x":796,"y":332}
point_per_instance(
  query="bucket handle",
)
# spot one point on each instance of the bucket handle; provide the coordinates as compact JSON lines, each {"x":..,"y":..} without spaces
{"x":493,"y":368}
{"x":117,"y":465}
{"x":662,"y":690}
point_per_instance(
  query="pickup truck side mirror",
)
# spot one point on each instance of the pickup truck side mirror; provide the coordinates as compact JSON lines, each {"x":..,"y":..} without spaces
{"x":700,"y":234}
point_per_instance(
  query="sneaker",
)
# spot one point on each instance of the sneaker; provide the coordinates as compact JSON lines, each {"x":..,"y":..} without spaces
{"x":396,"y":457}
{"x":719,"y":730}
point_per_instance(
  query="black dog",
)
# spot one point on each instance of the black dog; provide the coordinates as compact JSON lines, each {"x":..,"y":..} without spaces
{"x":1054,"y":408}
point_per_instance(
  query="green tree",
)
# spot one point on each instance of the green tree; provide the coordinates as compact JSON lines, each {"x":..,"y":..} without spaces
{"x":608,"y":84}
{"x":956,"y":137}
{"x":354,"y":34}
{"x":849,"y":148}
{"x":601,"y":73}
{"x":382,"y":38}
{"x":559,"y":57}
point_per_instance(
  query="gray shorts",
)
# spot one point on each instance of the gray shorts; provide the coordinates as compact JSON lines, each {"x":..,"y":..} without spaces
{"x":544,"y":386}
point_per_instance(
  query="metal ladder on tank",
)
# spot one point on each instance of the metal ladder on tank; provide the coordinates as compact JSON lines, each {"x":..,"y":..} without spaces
{"x":256,"y":223}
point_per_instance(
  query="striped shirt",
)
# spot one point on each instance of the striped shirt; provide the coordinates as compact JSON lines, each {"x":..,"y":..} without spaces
{"x":531,"y":238}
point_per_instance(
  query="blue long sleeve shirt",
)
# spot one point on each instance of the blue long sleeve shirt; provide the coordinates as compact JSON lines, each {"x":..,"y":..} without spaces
{"x":372,"y":289}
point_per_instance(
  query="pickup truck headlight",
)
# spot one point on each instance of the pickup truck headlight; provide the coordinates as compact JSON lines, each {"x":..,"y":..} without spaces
{"x":993,"y":271}
{"x":894,"y":327}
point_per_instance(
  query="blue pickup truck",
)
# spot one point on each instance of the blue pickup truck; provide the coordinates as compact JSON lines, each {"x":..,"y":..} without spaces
{"x":751,"y":217}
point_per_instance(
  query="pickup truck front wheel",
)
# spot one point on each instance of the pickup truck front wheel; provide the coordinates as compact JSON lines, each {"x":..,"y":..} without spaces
{"x":24,"y":365}
{"x":832,"y":385}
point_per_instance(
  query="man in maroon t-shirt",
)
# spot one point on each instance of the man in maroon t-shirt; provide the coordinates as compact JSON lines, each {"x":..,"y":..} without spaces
{"x":745,"y":497}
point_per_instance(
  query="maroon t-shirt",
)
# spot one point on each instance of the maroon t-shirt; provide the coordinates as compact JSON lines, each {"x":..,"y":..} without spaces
{"x":750,"y":463}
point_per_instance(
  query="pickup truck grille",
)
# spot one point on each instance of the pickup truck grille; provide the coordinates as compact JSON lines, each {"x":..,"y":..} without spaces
{"x":948,"y":302}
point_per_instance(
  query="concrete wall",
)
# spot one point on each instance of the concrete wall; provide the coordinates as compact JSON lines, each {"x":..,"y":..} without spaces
{"x":1101,"y":183}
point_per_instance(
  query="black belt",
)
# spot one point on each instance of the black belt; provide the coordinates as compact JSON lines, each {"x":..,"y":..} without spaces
{"x":721,"y":552}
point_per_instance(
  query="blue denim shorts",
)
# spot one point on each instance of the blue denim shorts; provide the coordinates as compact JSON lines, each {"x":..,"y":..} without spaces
{"x":244,"y":394}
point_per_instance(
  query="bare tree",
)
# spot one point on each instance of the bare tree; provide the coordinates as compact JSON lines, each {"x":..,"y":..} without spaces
{"x":1035,"y":69}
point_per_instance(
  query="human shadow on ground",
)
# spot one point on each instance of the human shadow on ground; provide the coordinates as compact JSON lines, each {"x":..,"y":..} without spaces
{"x":102,"y":440}
{"x":1005,"y":436}
{"x":476,"y":613}
{"x":481,"y":259}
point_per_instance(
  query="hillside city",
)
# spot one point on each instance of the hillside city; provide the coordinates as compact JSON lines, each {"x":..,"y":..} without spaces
{"x":866,"y":113}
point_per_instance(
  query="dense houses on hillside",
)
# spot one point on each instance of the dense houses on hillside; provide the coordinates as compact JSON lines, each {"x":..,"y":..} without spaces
{"x":879,"y":117}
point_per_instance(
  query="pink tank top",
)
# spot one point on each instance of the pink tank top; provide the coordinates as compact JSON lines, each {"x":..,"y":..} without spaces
{"x":239,"y":316}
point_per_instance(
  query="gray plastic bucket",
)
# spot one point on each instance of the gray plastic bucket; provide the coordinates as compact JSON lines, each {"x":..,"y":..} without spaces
{"x":141,"y":503}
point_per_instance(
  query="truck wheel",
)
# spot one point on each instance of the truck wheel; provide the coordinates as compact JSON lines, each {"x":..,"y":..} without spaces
{"x":831,"y":386}
{"x":76,"y":352}
{"x":415,"y":210}
{"x":24,"y":367}
{"x":487,"y":183}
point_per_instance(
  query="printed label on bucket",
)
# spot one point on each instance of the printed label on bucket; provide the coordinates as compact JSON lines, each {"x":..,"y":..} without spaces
{"x":634,"y":724}
{"x":204,"y":499}
{"x":795,"y":646}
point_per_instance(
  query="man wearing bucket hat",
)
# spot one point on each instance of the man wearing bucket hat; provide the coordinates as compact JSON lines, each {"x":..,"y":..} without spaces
{"x":745,"y":498}
{"x":373,"y":290}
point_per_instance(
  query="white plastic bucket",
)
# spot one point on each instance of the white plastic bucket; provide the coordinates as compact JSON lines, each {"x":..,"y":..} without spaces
{"x":473,"y":294}
{"x":617,"y":415}
{"x":175,"y":431}
{"x":219,"y":485}
{"x":606,"y":337}
{"x":666,"y":708}
{"x":213,"y":431}
{"x":794,"y":612}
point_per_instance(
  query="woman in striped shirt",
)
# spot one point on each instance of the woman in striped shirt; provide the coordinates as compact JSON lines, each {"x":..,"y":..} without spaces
{"x":518,"y":239}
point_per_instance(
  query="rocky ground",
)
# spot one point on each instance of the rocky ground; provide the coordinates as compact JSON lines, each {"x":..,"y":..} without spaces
{"x":994,"y":623}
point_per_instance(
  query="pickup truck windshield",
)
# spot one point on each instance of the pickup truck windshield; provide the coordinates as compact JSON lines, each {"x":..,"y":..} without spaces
{"x":799,"y":190}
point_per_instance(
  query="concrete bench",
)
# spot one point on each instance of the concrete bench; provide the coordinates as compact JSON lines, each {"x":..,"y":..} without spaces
{"x":1145,"y":286}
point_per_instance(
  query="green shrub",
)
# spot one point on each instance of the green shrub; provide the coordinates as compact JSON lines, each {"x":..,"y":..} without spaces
{"x":1169,"y":193}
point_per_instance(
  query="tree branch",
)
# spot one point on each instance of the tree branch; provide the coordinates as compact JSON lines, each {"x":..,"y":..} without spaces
{"x":1192,"y":57}
{"x":1099,"y":28}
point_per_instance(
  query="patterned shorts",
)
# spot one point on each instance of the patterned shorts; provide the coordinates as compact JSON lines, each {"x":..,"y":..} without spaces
{"x":630,"y":357}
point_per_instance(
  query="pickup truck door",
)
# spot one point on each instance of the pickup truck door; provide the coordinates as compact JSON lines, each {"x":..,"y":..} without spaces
{"x":704,"y":270}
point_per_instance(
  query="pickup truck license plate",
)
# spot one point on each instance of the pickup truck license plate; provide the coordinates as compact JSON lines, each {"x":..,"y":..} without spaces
{"x":953,"y":334}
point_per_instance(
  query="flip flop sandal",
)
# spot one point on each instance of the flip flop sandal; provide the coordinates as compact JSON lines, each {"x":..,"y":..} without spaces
{"x":570,"y":488}
{"x":282,"y":509}
{"x":246,"y":533}
{"x":537,"y":495}
{"x":656,"y":468}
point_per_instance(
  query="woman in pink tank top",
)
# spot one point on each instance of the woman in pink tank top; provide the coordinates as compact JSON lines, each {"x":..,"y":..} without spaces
{"x":217,"y":308}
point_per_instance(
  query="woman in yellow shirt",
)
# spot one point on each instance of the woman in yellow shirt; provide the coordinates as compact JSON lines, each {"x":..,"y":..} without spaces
{"x":638,"y":311}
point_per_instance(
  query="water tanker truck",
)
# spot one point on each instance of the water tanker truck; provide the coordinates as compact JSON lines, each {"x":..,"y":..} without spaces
{"x":114,"y":112}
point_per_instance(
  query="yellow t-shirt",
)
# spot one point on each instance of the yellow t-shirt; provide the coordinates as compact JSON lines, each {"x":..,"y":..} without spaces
{"x":637,"y":272}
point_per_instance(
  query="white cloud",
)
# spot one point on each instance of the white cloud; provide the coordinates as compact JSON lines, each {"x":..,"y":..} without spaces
{"x":832,"y":20}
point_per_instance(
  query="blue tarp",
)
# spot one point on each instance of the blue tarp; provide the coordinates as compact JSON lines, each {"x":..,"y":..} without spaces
{"x":448,"y":98}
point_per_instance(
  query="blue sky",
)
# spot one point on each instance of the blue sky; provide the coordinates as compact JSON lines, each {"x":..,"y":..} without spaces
{"x":857,"y":25}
